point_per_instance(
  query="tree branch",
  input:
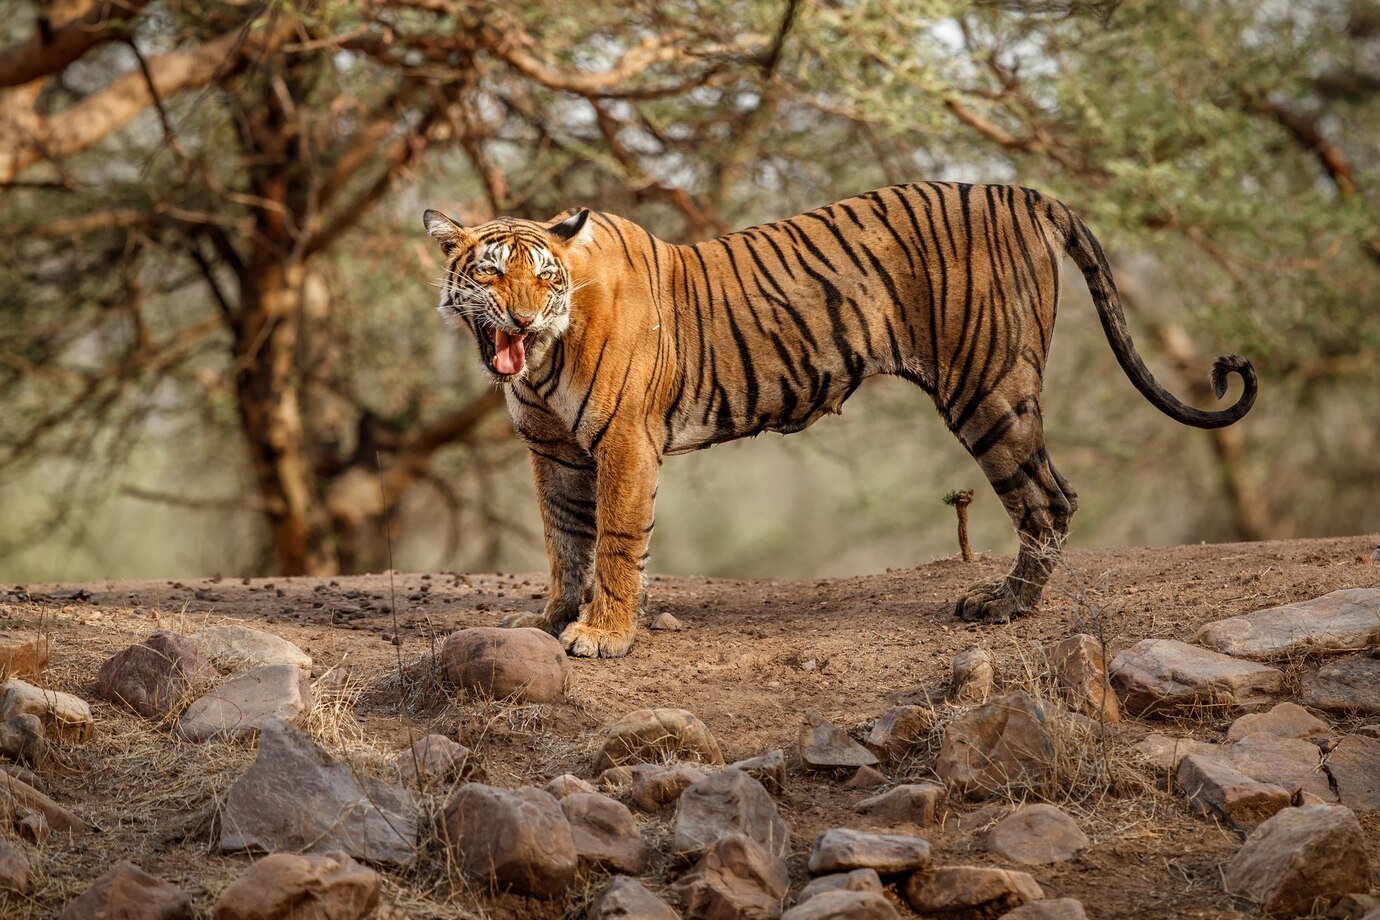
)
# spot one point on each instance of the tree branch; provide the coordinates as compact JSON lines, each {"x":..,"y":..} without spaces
{"x":47,"y":52}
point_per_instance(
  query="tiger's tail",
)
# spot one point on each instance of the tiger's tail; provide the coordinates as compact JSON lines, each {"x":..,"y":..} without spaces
{"x":1088,"y":255}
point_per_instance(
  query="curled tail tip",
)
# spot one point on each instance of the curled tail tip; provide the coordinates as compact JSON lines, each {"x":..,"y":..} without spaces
{"x":1229,"y":364}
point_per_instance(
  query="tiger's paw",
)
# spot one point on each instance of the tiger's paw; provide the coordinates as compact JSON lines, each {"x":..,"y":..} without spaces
{"x":585,"y":641}
{"x":521,"y":620}
{"x":989,"y":602}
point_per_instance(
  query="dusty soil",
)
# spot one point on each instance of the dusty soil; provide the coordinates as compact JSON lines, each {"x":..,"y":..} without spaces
{"x":753,"y":656}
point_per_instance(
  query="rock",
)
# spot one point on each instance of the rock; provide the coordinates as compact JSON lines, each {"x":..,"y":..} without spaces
{"x":972,"y":676}
{"x":524,"y":664}
{"x":126,"y":892}
{"x":518,"y":839}
{"x":666,"y":622}
{"x":899,"y":732}
{"x":1163,"y":677}
{"x":1285,"y":720}
{"x":1301,"y":859}
{"x":825,"y":746}
{"x":14,"y":870}
{"x":844,"y":849}
{"x":65,"y":717}
{"x":626,"y":898}
{"x":1036,"y":835}
{"x":1053,"y":909}
{"x":1220,"y":791}
{"x":21,"y":737}
{"x":619,"y":777}
{"x":289,"y":886}
{"x":605,"y":834}
{"x":1338,"y":622}
{"x":1354,"y":765}
{"x":1080,"y":669}
{"x":726,"y":803}
{"x":651,"y":735}
{"x":32,"y":826}
{"x":654,"y":788}
{"x":1003,"y":744}
{"x":240,"y":648}
{"x":295,"y":796}
{"x":856,"y":880}
{"x":865,"y":778}
{"x":970,"y":891}
{"x":1164,"y":752}
{"x":244,"y":704}
{"x":23,"y":653}
{"x":432,"y":759}
{"x":156,"y":676}
{"x":983,"y":818}
{"x":1354,"y":906}
{"x":768,"y":769}
{"x":920,"y":804}
{"x":844,"y":905}
{"x":1349,"y":686}
{"x":735,"y":878}
{"x":1370,"y":731}
{"x":1288,"y":762}
{"x":566,"y":784}
{"x":15,"y":794}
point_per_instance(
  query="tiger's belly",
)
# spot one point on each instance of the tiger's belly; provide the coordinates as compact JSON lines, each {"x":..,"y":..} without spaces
{"x":781,"y":408}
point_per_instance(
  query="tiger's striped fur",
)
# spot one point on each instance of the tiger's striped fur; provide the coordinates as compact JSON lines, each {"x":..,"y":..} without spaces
{"x":640,"y":349}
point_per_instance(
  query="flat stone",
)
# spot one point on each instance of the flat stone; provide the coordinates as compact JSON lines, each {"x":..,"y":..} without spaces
{"x":1003,"y":744}
{"x":825,"y":746}
{"x":23,"y":653}
{"x":1292,"y":763}
{"x":736,"y":878}
{"x":242,"y":648}
{"x":1285,"y":720}
{"x":126,"y":892}
{"x":656,"y":735}
{"x":14,"y":870}
{"x":624,"y":898}
{"x":65,"y":717}
{"x":844,"y":905}
{"x":1165,"y":677}
{"x":525,"y":665}
{"x":605,"y":834}
{"x":517,"y":839}
{"x":433,"y":759}
{"x":295,"y":796}
{"x":1354,"y":765}
{"x":155,"y":677}
{"x":972,"y":674}
{"x":1349,"y":687}
{"x":768,"y":769}
{"x":566,"y":784}
{"x":900,"y":732}
{"x":292,"y":886}
{"x":844,"y":849}
{"x":1163,"y":752}
{"x":1301,"y":859}
{"x":918,"y":804}
{"x":658,"y":786}
{"x":1036,"y":835}
{"x":865,"y":778}
{"x":242,"y":705}
{"x":1217,"y":790}
{"x":1080,"y":670}
{"x":1343,"y":621}
{"x":970,"y":891}
{"x":1052,"y":909}
{"x":727,"y":803}
{"x":856,"y":880}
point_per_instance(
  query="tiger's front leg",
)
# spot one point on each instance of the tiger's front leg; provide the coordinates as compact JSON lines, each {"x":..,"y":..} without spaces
{"x":628,"y":470}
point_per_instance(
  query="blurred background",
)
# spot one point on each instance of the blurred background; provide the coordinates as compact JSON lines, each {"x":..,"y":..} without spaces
{"x":218,"y":345}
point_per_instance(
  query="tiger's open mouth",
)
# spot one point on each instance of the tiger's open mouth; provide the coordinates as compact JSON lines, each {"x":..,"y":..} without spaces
{"x":505,"y":353}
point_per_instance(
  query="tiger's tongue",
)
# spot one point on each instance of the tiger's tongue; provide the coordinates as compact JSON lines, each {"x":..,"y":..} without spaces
{"x":510,"y":352}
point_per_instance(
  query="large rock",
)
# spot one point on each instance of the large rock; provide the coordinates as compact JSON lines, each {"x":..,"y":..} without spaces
{"x":1301,"y":860}
{"x":655,"y":786}
{"x":626,"y":898}
{"x":1218,"y":790}
{"x":1005,"y":743}
{"x":769,"y":769}
{"x":735,"y":880}
{"x":518,"y":839}
{"x":1354,"y":765}
{"x":288,"y":886}
{"x":970,"y":891}
{"x":843,"y":849}
{"x":156,"y":676}
{"x":242,"y":705}
{"x":900,"y":732}
{"x":23,"y":653}
{"x":605,"y":834}
{"x":653,"y":735}
{"x":855,"y":880}
{"x":242,"y":648}
{"x":1338,"y":622}
{"x":1036,"y":835}
{"x":1350,"y":687}
{"x":14,"y":871}
{"x":972,"y":674}
{"x":825,"y":746}
{"x":126,"y":892}
{"x":727,"y":803}
{"x":1291,"y":763}
{"x":1285,"y":720}
{"x":844,"y":905}
{"x":1163,"y":676}
{"x":65,"y":717}
{"x":295,"y":796}
{"x":1052,"y":909}
{"x":1080,"y":669}
{"x":920,"y":804}
{"x":525,"y":664}
{"x":432,"y":759}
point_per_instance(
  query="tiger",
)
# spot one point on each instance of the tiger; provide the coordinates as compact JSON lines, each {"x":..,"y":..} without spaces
{"x":616,"y":349}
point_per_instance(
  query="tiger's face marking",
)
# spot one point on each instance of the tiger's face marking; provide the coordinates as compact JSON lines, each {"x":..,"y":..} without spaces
{"x":509,"y":283}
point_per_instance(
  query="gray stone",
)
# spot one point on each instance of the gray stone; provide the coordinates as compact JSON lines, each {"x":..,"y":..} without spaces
{"x":1342,"y":621}
{"x":1217,"y":790}
{"x":244,"y":704}
{"x":866,"y":778}
{"x":433,"y":759}
{"x":21,"y":737}
{"x":1052,"y":909}
{"x":517,"y":839}
{"x":65,"y":717}
{"x":526,"y":665}
{"x":289,"y":886}
{"x":735,"y":878}
{"x":1166,"y":677}
{"x":1301,"y":860}
{"x":727,"y":803}
{"x":1285,"y":720}
{"x":624,"y":898}
{"x":970,"y":891}
{"x":856,"y":880}
{"x":900,"y":732}
{"x":825,"y":746}
{"x":918,"y":804}
{"x":605,"y":834}
{"x":1001,"y":745}
{"x":1036,"y":835}
{"x":242,"y":648}
{"x":126,"y":892}
{"x":843,"y":849}
{"x":1349,"y":687}
{"x":566,"y":784}
{"x":844,"y":905}
{"x":768,"y":769}
{"x":656,"y":786}
{"x":156,"y":676}
{"x":1354,"y":765}
{"x":656,"y":735}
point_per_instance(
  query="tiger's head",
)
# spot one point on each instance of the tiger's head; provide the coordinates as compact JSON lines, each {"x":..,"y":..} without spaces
{"x":509,"y":281}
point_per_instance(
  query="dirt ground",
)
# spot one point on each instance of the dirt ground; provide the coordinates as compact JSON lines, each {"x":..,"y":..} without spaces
{"x":752,"y":657}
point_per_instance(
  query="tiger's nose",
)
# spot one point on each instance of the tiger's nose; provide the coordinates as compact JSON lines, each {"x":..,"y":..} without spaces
{"x":523,"y":320}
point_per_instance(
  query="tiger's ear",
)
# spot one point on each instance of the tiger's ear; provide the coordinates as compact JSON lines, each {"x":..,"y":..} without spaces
{"x":574,"y":229}
{"x":445,"y":231}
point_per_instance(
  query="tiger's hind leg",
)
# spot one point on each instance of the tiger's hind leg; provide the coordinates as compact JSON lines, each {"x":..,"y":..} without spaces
{"x":1008,"y":442}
